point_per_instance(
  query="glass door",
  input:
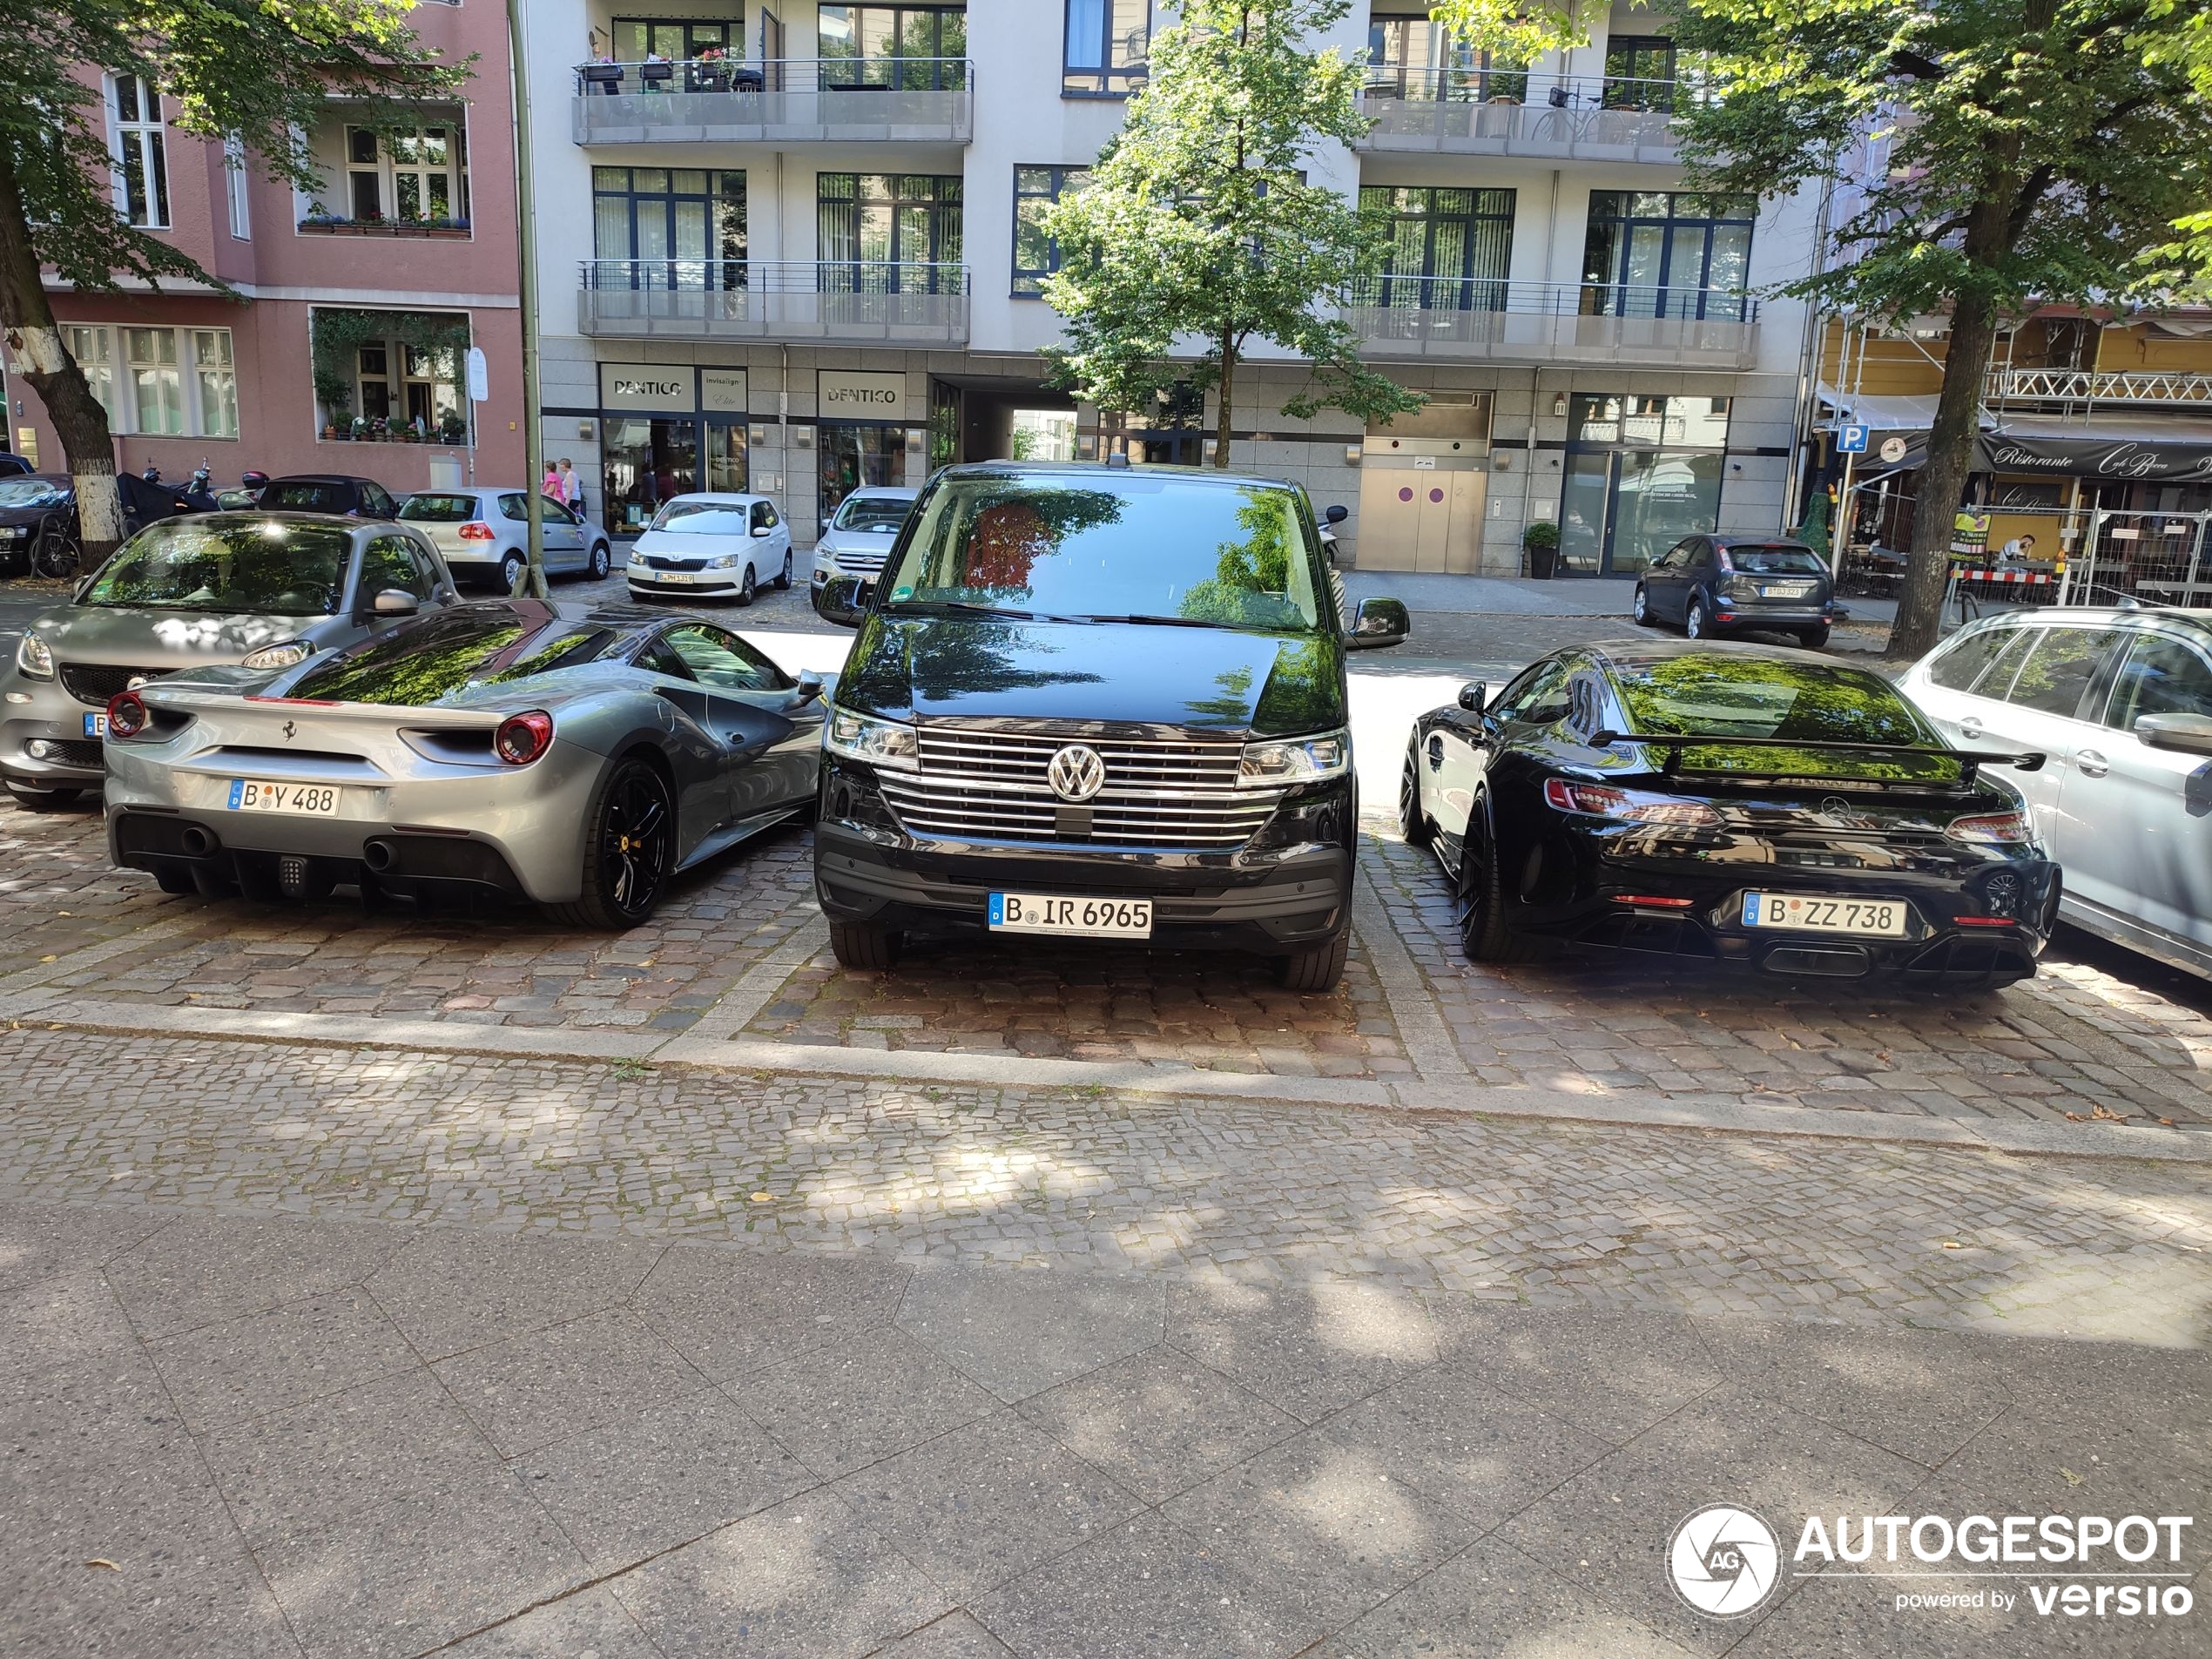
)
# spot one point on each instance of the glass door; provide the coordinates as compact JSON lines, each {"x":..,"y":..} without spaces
{"x":725,"y":456}
{"x":1584,"y":510}
{"x":646,"y":461}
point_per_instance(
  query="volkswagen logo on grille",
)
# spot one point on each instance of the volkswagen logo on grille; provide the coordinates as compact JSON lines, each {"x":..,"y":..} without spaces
{"x":1077,"y":774}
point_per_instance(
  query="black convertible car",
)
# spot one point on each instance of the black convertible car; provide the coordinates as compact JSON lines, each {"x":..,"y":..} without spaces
{"x":1770,"y":808}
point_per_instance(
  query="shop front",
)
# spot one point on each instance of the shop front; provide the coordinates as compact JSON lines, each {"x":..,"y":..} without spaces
{"x":866,"y":434}
{"x":1642,"y":472}
{"x":666,"y":429}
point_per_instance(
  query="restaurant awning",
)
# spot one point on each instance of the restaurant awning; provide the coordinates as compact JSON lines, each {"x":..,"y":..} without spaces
{"x":2173,"y":449}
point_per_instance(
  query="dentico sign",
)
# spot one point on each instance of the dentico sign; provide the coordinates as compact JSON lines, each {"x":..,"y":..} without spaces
{"x":671,"y":387}
{"x":854,"y":395}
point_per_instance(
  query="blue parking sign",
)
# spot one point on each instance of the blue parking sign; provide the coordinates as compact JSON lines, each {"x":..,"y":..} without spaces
{"x":1851,"y":440}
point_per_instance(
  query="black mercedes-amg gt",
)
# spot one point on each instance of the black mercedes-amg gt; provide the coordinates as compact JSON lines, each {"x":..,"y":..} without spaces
{"x":1771,"y":808}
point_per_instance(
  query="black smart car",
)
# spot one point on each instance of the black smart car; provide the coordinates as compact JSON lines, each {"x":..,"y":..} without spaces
{"x":1717,"y":584}
{"x":328,"y":492}
{"x":1100,"y":704}
{"x":1766,"y":807}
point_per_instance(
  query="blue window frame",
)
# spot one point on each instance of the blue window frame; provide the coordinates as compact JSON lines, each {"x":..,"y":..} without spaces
{"x":1036,"y":255}
{"x":1662,"y":254}
{"x":1107,"y":45}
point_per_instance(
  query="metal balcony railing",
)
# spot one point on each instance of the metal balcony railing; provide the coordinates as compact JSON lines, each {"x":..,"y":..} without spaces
{"x":1514,"y":111}
{"x":884,"y":302}
{"x":2086,"y":387}
{"x":1476,"y":319}
{"x":832,"y":99}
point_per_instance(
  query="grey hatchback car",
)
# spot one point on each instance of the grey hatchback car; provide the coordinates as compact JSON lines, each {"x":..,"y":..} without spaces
{"x":1717,"y":584}
{"x":266,"y":590}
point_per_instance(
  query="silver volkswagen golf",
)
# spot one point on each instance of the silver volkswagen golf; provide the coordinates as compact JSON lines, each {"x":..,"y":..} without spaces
{"x":264,"y":588}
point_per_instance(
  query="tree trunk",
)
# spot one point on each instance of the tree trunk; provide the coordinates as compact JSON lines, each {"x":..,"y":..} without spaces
{"x":1943,"y":477}
{"x":1227,"y":385}
{"x":35,"y":340}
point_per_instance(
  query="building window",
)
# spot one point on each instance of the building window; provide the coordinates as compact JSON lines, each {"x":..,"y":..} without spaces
{"x":1450,"y":249}
{"x":914,"y":48}
{"x":668,"y":227}
{"x":1108,"y":42}
{"x":1642,"y":472}
{"x":415,"y":176}
{"x":141,"y":155}
{"x":214,"y":383}
{"x":1411,"y":57}
{"x":1666,"y":253}
{"x":234,"y":188}
{"x":90,"y":348}
{"x":1639,"y":72}
{"x":384,"y":374}
{"x":888,"y":233}
{"x":1036,"y":255}
{"x":677,"y":39}
{"x":157,"y":380}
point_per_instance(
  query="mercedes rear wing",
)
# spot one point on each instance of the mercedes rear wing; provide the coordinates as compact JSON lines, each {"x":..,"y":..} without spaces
{"x":1968,"y":759}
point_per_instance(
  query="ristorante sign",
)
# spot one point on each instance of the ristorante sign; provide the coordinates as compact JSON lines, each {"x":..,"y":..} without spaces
{"x":2178,"y":460}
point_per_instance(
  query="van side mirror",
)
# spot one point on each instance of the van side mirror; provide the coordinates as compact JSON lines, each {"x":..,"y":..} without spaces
{"x":2188,"y":734}
{"x":844,"y":600}
{"x":1376,"y":624}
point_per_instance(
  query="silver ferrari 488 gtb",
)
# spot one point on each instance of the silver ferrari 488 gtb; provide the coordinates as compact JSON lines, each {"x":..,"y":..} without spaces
{"x":578,"y":757}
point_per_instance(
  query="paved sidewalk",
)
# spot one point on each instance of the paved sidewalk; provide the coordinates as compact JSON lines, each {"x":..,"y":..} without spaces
{"x":278,"y":1435}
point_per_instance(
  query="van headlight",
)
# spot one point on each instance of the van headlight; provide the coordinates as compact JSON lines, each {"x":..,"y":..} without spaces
{"x":1280,"y":761}
{"x":35,"y":658}
{"x":881,"y":743}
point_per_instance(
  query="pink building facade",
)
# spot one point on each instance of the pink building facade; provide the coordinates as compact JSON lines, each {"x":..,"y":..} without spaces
{"x":347,"y":352}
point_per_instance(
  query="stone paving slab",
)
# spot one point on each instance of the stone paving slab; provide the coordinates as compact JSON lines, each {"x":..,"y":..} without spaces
{"x":1450,"y":1488}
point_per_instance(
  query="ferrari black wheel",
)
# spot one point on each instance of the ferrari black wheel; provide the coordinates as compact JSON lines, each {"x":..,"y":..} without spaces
{"x":631,"y":852}
{"x":1412,"y":822}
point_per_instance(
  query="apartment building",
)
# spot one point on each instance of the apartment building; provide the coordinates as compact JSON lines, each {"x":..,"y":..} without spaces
{"x":346,"y":350}
{"x":794,"y":246}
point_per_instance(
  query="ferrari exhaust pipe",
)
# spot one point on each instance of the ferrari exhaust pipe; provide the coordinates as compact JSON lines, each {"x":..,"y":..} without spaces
{"x":196,"y":841}
{"x":379,"y":856}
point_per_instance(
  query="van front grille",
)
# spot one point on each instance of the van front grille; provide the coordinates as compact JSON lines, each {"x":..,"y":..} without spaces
{"x":990,"y":783}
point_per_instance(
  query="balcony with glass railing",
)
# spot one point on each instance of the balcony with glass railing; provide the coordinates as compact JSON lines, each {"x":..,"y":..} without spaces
{"x":1480,"y":320}
{"x":717,"y":100}
{"x":872,"y":302}
{"x":1514,"y":112}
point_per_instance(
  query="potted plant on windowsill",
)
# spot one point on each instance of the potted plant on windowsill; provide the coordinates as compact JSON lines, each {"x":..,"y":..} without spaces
{"x":1541,"y":543}
{"x":453,"y":429}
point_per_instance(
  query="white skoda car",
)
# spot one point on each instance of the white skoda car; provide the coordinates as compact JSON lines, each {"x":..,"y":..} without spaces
{"x":712,"y":545}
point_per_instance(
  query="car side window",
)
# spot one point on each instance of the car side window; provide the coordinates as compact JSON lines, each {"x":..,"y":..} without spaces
{"x":512,"y":506}
{"x":763,"y":516}
{"x":388,"y":563}
{"x":660,"y":658}
{"x":2060,"y":669}
{"x":722,"y":660}
{"x":426,"y":566}
{"x":555,"y":512}
{"x":2162,"y":676}
{"x":1539,"y":698}
{"x":376,"y":503}
{"x":1963,"y":660}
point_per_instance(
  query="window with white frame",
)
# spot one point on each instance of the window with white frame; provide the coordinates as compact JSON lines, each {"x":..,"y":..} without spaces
{"x":160,"y":382}
{"x":141,"y":154}
{"x":234,"y":182}
{"x":411,"y":176}
{"x":90,"y":348}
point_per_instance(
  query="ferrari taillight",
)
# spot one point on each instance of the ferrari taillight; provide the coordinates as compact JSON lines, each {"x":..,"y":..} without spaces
{"x":521,"y":738}
{"x":126,"y":715}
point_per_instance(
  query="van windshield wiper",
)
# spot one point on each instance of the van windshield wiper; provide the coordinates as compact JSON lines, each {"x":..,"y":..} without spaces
{"x":1161,"y":622}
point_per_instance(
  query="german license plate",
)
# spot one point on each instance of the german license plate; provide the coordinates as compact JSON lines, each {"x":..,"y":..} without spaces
{"x":1033,"y":913}
{"x":1785,"y":590}
{"x":1810,"y":913}
{"x":671,"y":575}
{"x":96,"y":725}
{"x":305,"y":800}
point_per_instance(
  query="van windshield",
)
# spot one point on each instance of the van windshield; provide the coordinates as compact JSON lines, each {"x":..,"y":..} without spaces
{"x":1113,"y":547}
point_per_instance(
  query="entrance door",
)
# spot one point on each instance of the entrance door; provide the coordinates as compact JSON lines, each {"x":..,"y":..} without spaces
{"x":646,"y":461}
{"x":725,"y":456}
{"x":1585,"y":511}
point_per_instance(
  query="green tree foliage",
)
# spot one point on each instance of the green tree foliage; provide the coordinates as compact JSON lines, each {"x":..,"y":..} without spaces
{"x":2004,"y":153}
{"x":260,"y":73}
{"x":1199,"y":219}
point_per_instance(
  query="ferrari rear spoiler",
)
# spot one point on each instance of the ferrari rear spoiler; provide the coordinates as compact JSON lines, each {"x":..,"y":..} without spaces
{"x":413,"y":716}
{"x":1968,"y":759}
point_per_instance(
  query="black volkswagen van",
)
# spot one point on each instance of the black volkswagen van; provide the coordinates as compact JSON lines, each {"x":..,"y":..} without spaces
{"x":1099,"y":703}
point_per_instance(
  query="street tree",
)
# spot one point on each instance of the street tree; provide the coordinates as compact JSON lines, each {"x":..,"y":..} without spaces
{"x":1200,"y":231}
{"x":2010,"y":154}
{"x":258,"y":75}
